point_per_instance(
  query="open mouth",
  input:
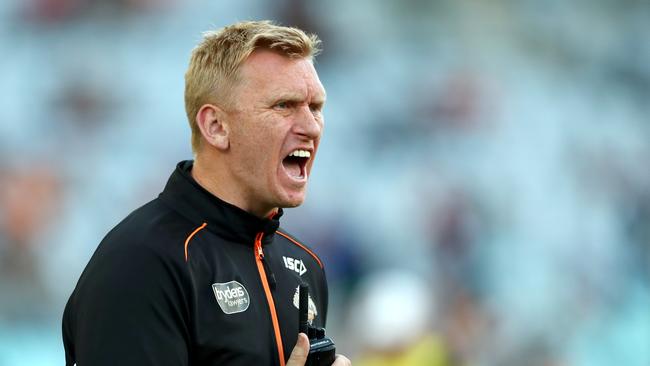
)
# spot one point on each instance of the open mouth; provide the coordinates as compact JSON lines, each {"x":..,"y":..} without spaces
{"x":296,"y":162}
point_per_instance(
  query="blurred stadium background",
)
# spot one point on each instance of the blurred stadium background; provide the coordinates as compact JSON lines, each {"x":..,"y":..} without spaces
{"x":481,"y":196}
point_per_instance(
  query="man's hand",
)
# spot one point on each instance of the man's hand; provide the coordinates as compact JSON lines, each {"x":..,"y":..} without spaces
{"x":342,"y":361}
{"x":301,"y":351}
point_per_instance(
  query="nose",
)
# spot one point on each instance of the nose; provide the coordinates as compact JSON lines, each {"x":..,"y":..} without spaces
{"x":308,"y":123}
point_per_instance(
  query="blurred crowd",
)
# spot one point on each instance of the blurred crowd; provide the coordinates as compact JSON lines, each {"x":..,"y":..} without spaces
{"x":481,"y":195}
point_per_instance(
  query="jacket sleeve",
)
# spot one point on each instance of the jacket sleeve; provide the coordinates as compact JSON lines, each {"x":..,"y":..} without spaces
{"x":128,"y":309}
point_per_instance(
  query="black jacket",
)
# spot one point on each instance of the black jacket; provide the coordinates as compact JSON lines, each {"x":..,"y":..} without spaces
{"x":188,"y":279}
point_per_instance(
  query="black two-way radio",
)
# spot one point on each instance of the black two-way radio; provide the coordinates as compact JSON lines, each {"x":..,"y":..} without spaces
{"x":322,"y":350}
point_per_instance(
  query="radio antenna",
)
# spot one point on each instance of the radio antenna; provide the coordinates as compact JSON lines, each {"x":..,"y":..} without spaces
{"x":303,"y":308}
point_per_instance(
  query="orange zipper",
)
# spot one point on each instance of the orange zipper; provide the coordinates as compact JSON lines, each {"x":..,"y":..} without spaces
{"x":259,"y":260}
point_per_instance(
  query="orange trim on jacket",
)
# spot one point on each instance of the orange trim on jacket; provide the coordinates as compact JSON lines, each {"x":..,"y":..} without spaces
{"x":302,"y":246}
{"x":187,"y":241}
{"x":259,"y":257}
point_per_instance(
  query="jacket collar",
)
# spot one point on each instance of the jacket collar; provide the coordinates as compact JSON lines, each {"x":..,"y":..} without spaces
{"x":188,"y":198}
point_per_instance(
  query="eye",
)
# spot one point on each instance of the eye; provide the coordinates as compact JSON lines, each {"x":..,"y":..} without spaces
{"x":316,"y":107}
{"x":283,"y":105}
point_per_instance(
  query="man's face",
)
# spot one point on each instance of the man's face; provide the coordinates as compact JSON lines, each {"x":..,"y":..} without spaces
{"x":275,"y":127}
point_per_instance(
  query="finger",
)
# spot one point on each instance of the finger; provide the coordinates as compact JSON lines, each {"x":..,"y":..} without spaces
{"x":300,"y":351}
{"x":342,"y":361}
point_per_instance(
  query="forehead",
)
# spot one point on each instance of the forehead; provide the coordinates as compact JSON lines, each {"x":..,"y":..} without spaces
{"x":267,"y":73}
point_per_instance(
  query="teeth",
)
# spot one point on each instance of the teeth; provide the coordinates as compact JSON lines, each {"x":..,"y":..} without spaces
{"x":301,"y":154}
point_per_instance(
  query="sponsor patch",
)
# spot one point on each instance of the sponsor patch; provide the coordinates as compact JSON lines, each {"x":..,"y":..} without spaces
{"x":231,"y":296}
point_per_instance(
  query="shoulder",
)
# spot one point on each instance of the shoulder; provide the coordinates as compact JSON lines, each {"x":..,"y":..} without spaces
{"x":134,"y":292}
{"x":154,"y":230}
{"x":147,"y":244}
{"x":143,"y":251}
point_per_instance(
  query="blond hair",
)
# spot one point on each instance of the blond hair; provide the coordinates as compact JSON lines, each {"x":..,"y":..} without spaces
{"x":216,"y":60}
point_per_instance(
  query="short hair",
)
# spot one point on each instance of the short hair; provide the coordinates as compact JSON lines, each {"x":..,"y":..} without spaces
{"x":217,"y":59}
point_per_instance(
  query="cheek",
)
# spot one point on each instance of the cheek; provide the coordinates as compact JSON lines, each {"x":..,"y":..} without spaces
{"x":249,"y":136}
{"x":258,"y":142}
{"x":261,"y":151}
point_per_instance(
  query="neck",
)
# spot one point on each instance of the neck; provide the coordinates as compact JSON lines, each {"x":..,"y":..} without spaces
{"x":212,"y":174}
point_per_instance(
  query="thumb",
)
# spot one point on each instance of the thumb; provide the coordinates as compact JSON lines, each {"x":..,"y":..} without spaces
{"x":300,"y":351}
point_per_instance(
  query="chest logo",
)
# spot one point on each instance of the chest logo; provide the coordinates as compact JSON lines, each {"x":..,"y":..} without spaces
{"x":232,"y":297}
{"x":294,"y":264}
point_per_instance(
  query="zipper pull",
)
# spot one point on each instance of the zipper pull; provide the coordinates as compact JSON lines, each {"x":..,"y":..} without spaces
{"x":270,"y":277}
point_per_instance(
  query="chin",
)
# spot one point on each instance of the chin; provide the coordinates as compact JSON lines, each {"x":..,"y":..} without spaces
{"x":295,"y":201}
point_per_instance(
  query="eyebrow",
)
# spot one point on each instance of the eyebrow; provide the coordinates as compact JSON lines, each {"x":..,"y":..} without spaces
{"x":296,"y":98}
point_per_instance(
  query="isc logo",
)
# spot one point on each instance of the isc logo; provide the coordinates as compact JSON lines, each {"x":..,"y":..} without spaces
{"x":294,"y":264}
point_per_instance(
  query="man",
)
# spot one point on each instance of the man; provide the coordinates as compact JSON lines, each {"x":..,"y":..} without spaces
{"x":202,"y":275}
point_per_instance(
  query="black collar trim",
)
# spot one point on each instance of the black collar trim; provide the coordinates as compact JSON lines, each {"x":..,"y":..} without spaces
{"x":183,"y":194}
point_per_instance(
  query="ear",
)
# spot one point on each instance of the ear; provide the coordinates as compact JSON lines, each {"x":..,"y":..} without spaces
{"x":214,"y":126}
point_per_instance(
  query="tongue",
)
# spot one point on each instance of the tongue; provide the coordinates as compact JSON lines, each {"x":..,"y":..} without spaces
{"x":292,"y":167}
